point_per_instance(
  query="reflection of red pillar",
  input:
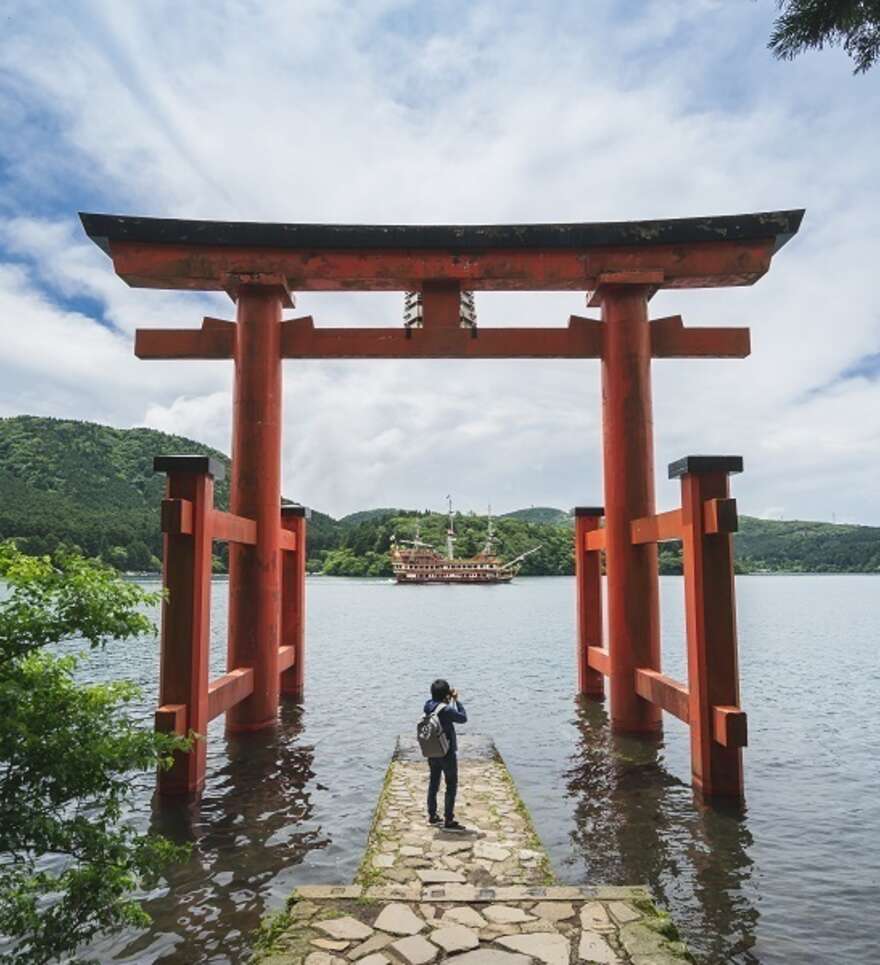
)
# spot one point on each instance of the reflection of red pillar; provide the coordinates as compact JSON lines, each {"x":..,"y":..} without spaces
{"x":588,"y":579}
{"x":255,"y":571}
{"x":710,"y":614}
{"x":186,"y":610}
{"x":633,"y":585}
{"x":293,"y":600}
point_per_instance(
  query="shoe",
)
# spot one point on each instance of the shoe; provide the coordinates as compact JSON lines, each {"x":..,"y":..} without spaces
{"x":434,"y":819}
{"x":454,"y":826}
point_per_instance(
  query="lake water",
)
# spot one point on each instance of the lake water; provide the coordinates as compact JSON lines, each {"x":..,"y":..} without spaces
{"x":796,"y":878}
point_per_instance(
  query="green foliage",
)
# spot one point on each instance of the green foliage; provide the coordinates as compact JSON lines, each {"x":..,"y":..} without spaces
{"x":344,"y":562}
{"x":540,"y":514}
{"x":812,"y":24}
{"x":670,"y":558}
{"x":267,"y":933}
{"x":67,"y":752}
{"x":364,"y":515}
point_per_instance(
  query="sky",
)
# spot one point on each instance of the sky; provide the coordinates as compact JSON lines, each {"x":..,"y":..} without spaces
{"x":428,"y":112}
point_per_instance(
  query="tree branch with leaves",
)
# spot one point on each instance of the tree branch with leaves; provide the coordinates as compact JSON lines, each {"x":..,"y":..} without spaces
{"x":70,"y":864}
{"x":814,"y":24}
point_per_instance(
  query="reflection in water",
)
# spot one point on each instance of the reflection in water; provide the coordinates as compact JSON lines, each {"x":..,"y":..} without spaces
{"x":637,"y":824}
{"x":251,"y":822}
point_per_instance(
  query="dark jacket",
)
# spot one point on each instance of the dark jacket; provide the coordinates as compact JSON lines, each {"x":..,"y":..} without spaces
{"x":453,"y":713}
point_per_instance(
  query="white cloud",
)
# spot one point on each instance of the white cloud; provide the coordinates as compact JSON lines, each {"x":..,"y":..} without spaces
{"x":377,"y":112}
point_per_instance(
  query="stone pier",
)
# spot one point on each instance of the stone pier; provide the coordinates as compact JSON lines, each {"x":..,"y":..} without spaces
{"x":489,"y":897}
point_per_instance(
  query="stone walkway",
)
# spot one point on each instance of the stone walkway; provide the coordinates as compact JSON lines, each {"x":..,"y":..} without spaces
{"x":503,"y":849}
{"x":423,"y":895}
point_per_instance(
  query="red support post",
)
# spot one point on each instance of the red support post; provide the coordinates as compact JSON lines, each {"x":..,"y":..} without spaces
{"x":588,"y":580}
{"x":255,"y":493}
{"x":713,"y":673}
{"x":186,"y":611}
{"x":631,"y":570}
{"x":293,"y":599}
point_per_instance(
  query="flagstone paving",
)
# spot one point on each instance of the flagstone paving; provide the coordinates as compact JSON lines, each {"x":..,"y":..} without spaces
{"x":425,"y":896}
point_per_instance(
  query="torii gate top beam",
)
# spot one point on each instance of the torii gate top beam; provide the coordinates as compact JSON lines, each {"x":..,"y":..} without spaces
{"x":219,"y":256}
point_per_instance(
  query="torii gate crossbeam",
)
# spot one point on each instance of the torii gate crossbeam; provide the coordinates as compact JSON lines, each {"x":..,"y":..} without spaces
{"x":622,"y":265}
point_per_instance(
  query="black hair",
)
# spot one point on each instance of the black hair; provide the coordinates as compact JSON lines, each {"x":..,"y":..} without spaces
{"x":440,"y":689}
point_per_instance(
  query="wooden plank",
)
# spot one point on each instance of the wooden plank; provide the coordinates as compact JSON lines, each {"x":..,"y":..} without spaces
{"x":720,"y":516}
{"x":671,"y":340}
{"x":656,"y":529}
{"x":286,"y":657}
{"x":233,"y":529}
{"x":287,"y":540}
{"x":663,"y":691}
{"x":705,"y":264}
{"x":599,"y":659}
{"x":171,"y":719}
{"x":651,"y":279}
{"x":230,"y":689}
{"x":594,"y":540}
{"x":177,"y":516}
{"x":301,"y":339}
{"x":730,"y":726}
{"x":214,"y":340}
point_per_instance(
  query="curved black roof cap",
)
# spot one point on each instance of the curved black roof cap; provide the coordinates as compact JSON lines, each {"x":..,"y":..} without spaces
{"x":781,"y":225}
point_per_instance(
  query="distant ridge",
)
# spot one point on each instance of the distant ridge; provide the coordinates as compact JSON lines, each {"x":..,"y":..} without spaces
{"x":540,"y":514}
{"x":363,"y":515}
{"x":80,"y":484}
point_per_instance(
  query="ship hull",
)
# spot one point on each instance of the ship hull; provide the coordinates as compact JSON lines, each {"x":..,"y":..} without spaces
{"x":417,"y":579}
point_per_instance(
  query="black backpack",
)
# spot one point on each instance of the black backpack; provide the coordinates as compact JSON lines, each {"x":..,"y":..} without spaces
{"x":429,"y":731}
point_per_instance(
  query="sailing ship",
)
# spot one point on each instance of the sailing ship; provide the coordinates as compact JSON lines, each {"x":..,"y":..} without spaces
{"x":415,"y":561}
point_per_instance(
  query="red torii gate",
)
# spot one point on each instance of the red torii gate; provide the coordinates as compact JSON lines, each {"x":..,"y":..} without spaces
{"x":620,"y":265}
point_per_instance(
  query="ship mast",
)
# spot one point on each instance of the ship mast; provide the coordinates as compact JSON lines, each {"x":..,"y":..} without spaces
{"x":450,"y":532}
{"x":417,"y":542}
{"x":491,"y":539}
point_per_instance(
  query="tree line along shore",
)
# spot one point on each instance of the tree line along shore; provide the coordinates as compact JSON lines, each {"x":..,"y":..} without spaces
{"x":84,"y":486}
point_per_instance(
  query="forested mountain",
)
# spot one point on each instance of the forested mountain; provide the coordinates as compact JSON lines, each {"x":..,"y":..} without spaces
{"x":84,"y":485}
{"x":539,"y":514}
{"x":796,"y":546}
{"x":364,"y":515}
{"x":93,"y":487}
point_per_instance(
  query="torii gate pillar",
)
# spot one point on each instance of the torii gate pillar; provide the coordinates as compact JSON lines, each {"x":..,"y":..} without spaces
{"x":627,"y":431}
{"x":255,"y":493}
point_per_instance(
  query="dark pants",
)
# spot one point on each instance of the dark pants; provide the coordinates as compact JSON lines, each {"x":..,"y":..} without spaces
{"x":448,"y":767}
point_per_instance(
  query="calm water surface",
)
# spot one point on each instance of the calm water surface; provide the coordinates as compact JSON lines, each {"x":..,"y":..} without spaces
{"x":796,"y":878}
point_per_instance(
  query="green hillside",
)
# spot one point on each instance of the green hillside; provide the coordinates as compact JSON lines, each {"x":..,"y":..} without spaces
{"x":797,"y":546}
{"x":64,"y":482}
{"x":364,"y":515}
{"x":540,"y":514}
{"x":89,"y":486}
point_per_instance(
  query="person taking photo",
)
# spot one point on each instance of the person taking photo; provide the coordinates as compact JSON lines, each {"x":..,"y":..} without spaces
{"x":451,"y":712}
